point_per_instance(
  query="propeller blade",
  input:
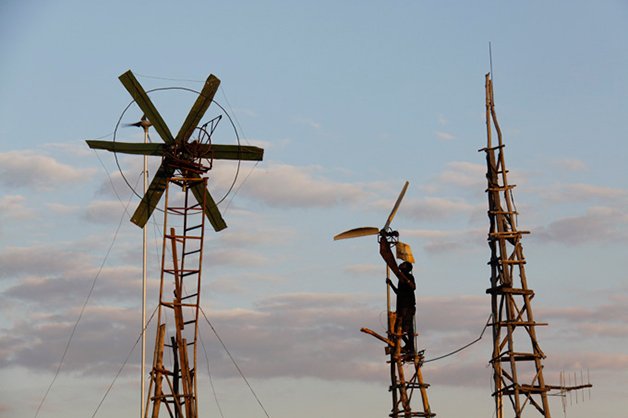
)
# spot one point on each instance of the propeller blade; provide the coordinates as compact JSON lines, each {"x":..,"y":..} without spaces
{"x":128,"y":147}
{"x":211,"y":210}
{"x":143,"y":101}
{"x":396,"y":207}
{"x":198,"y":110}
{"x":143,"y":123}
{"x":153,"y":195}
{"x":357,"y":232}
{"x":231,"y":152}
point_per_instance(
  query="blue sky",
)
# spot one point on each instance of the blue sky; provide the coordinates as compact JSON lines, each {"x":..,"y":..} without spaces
{"x":349,"y":100}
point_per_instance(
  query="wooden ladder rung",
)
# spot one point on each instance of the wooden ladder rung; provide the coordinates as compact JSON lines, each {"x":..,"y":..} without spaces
{"x":509,"y":290}
{"x":491,"y":148}
{"x":512,"y":261}
{"x":501,"y":188}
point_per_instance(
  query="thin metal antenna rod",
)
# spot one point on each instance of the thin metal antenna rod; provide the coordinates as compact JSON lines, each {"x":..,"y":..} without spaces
{"x":144,"y":235}
{"x":490,"y":59}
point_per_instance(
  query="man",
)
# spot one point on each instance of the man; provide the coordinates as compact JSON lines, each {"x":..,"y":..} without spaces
{"x":406,"y":304}
{"x":406,"y":301}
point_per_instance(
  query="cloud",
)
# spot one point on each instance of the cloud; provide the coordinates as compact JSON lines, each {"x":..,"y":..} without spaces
{"x":102,"y":212}
{"x":598,"y":224}
{"x":445,"y":241}
{"x":271,"y":340}
{"x":101,"y":342}
{"x":308,"y":122}
{"x":297,"y":335}
{"x":607,"y":320}
{"x":12,"y":206}
{"x":256,"y":236}
{"x":280,"y":185}
{"x":363,"y":269}
{"x":579,"y":192}
{"x":457,"y":374}
{"x":62,"y":209}
{"x":571,"y":164}
{"x":76,"y":148}
{"x":236,"y":257}
{"x":52,"y":292}
{"x":444,"y":136}
{"x":595,"y":361}
{"x":39,"y":260}
{"x":461,"y":174}
{"x":29,"y":169}
{"x":436,"y":208}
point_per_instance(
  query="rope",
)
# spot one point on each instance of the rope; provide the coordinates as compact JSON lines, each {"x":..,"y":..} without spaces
{"x":234,"y":363}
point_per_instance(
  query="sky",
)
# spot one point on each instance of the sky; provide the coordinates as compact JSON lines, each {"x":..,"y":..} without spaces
{"x":349,"y":100}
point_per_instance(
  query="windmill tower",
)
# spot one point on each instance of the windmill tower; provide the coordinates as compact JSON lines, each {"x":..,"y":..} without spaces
{"x":517,"y":357}
{"x":184,"y":165}
{"x":406,"y":377}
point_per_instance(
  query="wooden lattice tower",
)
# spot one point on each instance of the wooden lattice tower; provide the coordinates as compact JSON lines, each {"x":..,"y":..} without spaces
{"x":517,"y":356}
{"x":185,"y":160}
{"x":175,"y":386}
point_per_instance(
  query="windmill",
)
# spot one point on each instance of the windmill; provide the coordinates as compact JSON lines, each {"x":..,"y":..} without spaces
{"x":185,"y":161}
{"x":401,"y":364}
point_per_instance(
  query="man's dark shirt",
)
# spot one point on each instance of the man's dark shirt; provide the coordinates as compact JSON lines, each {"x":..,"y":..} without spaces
{"x":405,"y":293}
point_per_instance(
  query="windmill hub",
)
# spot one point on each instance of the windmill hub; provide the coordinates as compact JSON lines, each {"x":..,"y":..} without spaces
{"x":190,"y":156}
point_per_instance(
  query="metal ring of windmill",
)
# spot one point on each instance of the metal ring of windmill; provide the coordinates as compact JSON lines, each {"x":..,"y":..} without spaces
{"x":205,"y":133}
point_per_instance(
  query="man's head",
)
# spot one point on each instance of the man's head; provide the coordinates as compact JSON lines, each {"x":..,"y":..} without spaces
{"x":406,"y":267}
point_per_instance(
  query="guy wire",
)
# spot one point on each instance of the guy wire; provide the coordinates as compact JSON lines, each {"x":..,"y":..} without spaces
{"x":82,"y":311}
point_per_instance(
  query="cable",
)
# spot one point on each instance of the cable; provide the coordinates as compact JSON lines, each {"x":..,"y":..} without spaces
{"x":104,"y":136}
{"x":89,"y":294}
{"x":237,"y":190}
{"x":211,"y":381}
{"x":124,"y":363}
{"x":169,"y":79}
{"x":232,"y":111}
{"x":464,"y":346}
{"x":234,"y":362}
{"x":126,"y":207}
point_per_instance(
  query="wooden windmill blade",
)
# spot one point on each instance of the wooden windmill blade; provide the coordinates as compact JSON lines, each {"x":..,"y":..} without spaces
{"x":128,"y":147}
{"x":153,"y":195}
{"x":199,"y":108}
{"x":231,"y":152}
{"x":143,"y":101}
{"x":207,"y":202}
